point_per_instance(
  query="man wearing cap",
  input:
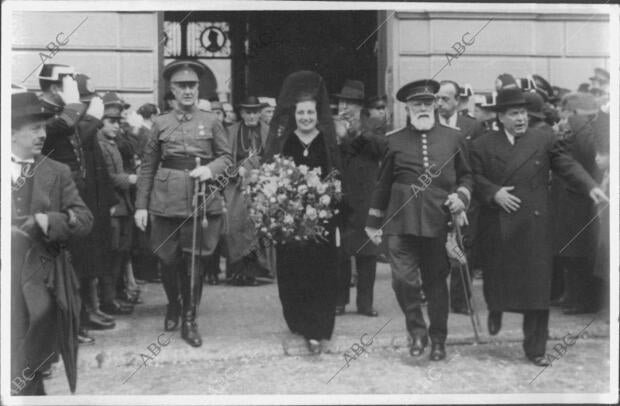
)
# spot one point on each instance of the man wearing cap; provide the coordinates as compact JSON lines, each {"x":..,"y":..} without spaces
{"x":121,"y":222}
{"x":511,"y":170}
{"x":424,"y":176}
{"x":186,"y":145}
{"x":361,"y":148}
{"x":247,"y":139}
{"x":72,"y":140}
{"x":46,"y":213}
{"x":269,"y":107}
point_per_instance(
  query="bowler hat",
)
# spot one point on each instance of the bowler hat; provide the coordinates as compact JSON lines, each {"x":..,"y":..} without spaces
{"x":54,"y":71}
{"x":85,"y":87}
{"x":184,"y":71}
{"x":418,"y":89}
{"x":26,"y":105}
{"x":352,"y":90}
{"x":251,"y":102}
{"x":535,"y":104}
{"x":509,"y":97}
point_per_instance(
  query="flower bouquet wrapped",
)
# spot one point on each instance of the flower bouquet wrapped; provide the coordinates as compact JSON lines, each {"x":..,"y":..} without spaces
{"x":292,"y":203}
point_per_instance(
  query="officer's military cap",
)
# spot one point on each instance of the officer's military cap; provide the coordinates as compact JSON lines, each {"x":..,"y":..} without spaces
{"x":419,"y":89}
{"x":184,"y":71}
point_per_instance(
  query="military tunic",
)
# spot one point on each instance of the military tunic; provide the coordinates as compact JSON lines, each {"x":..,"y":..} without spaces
{"x":179,"y":138}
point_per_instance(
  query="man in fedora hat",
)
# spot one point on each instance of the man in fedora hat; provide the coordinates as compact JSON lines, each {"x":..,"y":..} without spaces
{"x":424,"y":177}
{"x":362,"y":146}
{"x":72,"y":140}
{"x":46,"y":213}
{"x":247,"y":139}
{"x":511,"y":169}
{"x":185,"y":145}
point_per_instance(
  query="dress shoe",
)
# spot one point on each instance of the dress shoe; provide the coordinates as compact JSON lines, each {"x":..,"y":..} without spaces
{"x":438,"y":351}
{"x":84,"y":338}
{"x":461,"y":310}
{"x":97,"y":323}
{"x":540,"y":361}
{"x":417,"y":346}
{"x":314,"y":346}
{"x":339,"y":310}
{"x":369,"y":312}
{"x":116,"y":308}
{"x":173,"y":316}
{"x":104,"y":316}
{"x":494,"y":322}
{"x":189,"y":333}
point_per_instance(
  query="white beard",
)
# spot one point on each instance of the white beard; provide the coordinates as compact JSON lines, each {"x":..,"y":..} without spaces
{"x":423,"y":123}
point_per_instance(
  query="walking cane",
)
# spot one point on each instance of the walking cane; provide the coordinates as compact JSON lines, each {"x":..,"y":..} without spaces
{"x":466,"y":279}
{"x":195,"y":207}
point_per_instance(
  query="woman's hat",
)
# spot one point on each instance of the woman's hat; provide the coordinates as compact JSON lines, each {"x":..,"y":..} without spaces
{"x":509,"y":97}
{"x":352,"y":90}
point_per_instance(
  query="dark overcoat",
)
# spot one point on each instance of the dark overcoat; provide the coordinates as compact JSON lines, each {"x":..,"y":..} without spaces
{"x":42,"y":281}
{"x":518,"y":245}
{"x":360,"y":161}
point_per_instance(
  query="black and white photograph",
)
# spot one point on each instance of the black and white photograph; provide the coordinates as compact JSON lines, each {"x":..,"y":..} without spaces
{"x":303,"y":202}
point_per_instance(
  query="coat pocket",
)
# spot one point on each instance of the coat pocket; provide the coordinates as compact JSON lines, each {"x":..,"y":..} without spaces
{"x":160,"y":191}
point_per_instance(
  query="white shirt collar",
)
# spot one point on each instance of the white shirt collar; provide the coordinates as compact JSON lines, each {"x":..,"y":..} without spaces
{"x":16,"y":167}
{"x":450,"y":121}
{"x":511,"y":138}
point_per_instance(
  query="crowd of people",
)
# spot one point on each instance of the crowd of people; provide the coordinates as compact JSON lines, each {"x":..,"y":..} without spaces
{"x":104,"y":194}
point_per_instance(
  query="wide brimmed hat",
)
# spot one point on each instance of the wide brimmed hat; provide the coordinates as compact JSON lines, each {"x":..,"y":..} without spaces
{"x":418,"y":89}
{"x":251,"y":102}
{"x":535,"y":104}
{"x":352,"y":90}
{"x":26,"y":105}
{"x":509,"y":97}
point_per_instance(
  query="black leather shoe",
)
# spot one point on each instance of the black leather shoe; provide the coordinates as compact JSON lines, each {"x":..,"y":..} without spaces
{"x":173,"y":316}
{"x":494,"y":322}
{"x":540,"y":361}
{"x":189,"y":333}
{"x":339,"y":310}
{"x":417,"y":347}
{"x":369,"y":312}
{"x":438,"y":351}
{"x":103,"y":316}
{"x":116,"y":308}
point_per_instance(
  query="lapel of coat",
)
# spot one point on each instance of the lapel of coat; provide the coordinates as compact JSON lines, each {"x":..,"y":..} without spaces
{"x":525,"y":147}
{"x":42,"y":180}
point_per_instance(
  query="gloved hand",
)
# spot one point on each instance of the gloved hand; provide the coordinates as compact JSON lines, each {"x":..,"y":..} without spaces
{"x":69,"y":93}
{"x":95,"y":108}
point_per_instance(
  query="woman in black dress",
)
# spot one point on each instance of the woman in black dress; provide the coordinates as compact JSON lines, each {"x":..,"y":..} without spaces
{"x":302,"y":129}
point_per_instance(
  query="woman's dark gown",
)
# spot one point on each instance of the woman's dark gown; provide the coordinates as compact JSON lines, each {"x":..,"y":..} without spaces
{"x":307,"y":270}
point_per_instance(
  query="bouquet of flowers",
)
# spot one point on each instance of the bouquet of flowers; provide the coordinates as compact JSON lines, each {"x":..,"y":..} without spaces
{"x":292,"y":203}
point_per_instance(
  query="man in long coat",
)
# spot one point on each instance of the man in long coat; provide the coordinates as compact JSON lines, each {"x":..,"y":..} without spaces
{"x":511,"y":168}
{"x":361,"y":147}
{"x":46,"y":212}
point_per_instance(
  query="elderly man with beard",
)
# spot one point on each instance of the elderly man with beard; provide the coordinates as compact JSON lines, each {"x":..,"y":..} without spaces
{"x":424,"y":177}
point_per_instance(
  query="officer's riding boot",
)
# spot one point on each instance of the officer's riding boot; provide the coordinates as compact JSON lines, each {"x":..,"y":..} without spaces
{"x":189,"y":328}
{"x":170,"y":280}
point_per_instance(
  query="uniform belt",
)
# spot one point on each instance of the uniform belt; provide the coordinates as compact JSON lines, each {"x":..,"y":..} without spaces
{"x":182,"y":163}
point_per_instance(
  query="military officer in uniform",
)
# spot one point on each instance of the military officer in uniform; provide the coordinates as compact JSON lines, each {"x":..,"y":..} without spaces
{"x":165,"y":190}
{"x":424,"y":176}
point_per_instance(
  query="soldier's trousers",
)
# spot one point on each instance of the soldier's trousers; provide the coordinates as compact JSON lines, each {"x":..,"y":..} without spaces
{"x":421,"y":263}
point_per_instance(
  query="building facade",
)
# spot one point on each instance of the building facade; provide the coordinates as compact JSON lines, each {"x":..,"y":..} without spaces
{"x":251,"y":52}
